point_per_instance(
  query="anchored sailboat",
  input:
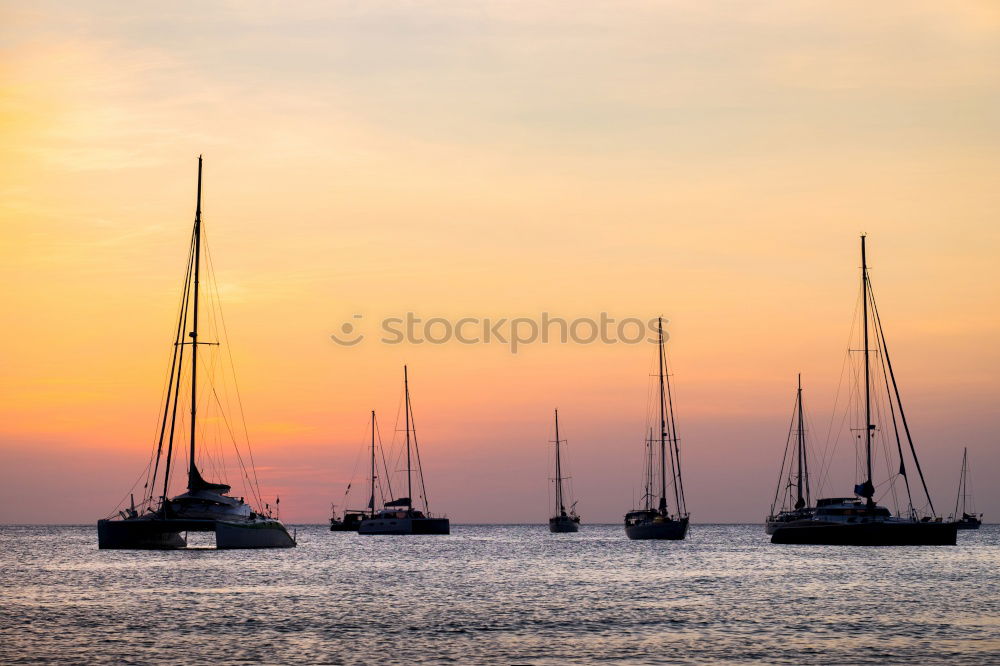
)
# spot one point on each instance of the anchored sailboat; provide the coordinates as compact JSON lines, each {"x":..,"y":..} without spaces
{"x":351,"y":519}
{"x":657,"y":522}
{"x":795,"y":501}
{"x":562,"y":521}
{"x":860,"y":520}
{"x":398,"y":516}
{"x":206,"y":507}
{"x":968,"y":519}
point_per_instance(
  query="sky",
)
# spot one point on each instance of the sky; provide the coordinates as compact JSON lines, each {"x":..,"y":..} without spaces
{"x":713,"y":163}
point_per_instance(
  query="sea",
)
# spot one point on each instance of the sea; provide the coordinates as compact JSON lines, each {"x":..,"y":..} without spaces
{"x":498,"y":594}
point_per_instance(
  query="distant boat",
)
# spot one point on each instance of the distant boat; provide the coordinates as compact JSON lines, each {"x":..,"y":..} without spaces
{"x":562,"y":521}
{"x":969,"y":520}
{"x":206,"y":507}
{"x":858,"y":520}
{"x":398,"y":516}
{"x":793,"y":486}
{"x":351,"y":519}
{"x":656,"y":522}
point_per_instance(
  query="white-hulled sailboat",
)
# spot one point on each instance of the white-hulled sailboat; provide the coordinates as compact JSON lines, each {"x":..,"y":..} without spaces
{"x":859,"y":520}
{"x":159,"y":520}
{"x":399,"y":516}
{"x":793,"y":481}
{"x":657,"y":522}
{"x":562,"y":521}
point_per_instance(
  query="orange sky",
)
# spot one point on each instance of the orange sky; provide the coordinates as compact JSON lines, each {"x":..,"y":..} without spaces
{"x":495,"y":160}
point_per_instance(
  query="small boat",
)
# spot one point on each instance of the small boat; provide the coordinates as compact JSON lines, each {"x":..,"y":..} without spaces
{"x":159,"y":520}
{"x":795,"y":500}
{"x":859,"y":520}
{"x":562,"y":521}
{"x":968,"y":519}
{"x":351,"y":519}
{"x":399,"y":516}
{"x":657,"y":522}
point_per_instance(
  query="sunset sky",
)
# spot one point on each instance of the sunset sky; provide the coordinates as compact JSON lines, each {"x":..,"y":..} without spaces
{"x":715,"y":165}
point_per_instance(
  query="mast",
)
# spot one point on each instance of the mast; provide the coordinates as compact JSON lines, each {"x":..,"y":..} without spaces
{"x":800,"y":502}
{"x":868,"y":488}
{"x":371,"y":501}
{"x":961,"y":484}
{"x":663,"y":426}
{"x":409,"y":479}
{"x":192,"y":468}
{"x":559,"y":491}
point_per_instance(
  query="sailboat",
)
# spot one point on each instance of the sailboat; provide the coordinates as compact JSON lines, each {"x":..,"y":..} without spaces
{"x":969,"y":520}
{"x":351,"y":519}
{"x":159,"y":520}
{"x":657,"y":522}
{"x":795,"y":501}
{"x":859,"y":520}
{"x":562,"y":521}
{"x":398,"y":516}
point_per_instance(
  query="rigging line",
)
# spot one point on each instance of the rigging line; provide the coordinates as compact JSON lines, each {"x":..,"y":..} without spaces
{"x":232,"y":365}
{"x":679,"y":480}
{"x":232,"y":438}
{"x":826,"y":459}
{"x":180,"y":371}
{"x":784,"y":457}
{"x":804,"y":453}
{"x":899,"y":443}
{"x":357,"y":459}
{"x":174,"y":366}
{"x":385,"y":468}
{"x":961,"y":482}
{"x":420,"y":467}
{"x":902,"y":415}
{"x":122,"y":500}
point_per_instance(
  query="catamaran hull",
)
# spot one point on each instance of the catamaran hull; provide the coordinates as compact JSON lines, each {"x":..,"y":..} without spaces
{"x":867,"y":534}
{"x":265,"y":534}
{"x":405,"y":526}
{"x":559,"y":525}
{"x":153,"y":534}
{"x":667,"y":530}
{"x":141,"y":534}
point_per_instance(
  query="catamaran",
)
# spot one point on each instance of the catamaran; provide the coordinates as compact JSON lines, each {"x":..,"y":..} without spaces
{"x":795,"y":502}
{"x":964,"y":516}
{"x":562,"y":521}
{"x":399,"y":516}
{"x":159,"y":520}
{"x":859,"y":520}
{"x":658,"y":522}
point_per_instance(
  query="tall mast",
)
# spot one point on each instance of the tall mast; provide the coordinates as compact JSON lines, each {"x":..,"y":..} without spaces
{"x":663,"y":426}
{"x":559,"y":492}
{"x":371,"y":501}
{"x":192,"y":468}
{"x":800,"y":502}
{"x":961,"y":485}
{"x":409,"y":479}
{"x":868,"y":488}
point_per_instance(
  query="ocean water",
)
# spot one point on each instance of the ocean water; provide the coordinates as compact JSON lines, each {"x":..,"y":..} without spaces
{"x":499,"y":594}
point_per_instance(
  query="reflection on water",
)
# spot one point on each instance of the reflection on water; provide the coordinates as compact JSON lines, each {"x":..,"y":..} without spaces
{"x":499,"y":594}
